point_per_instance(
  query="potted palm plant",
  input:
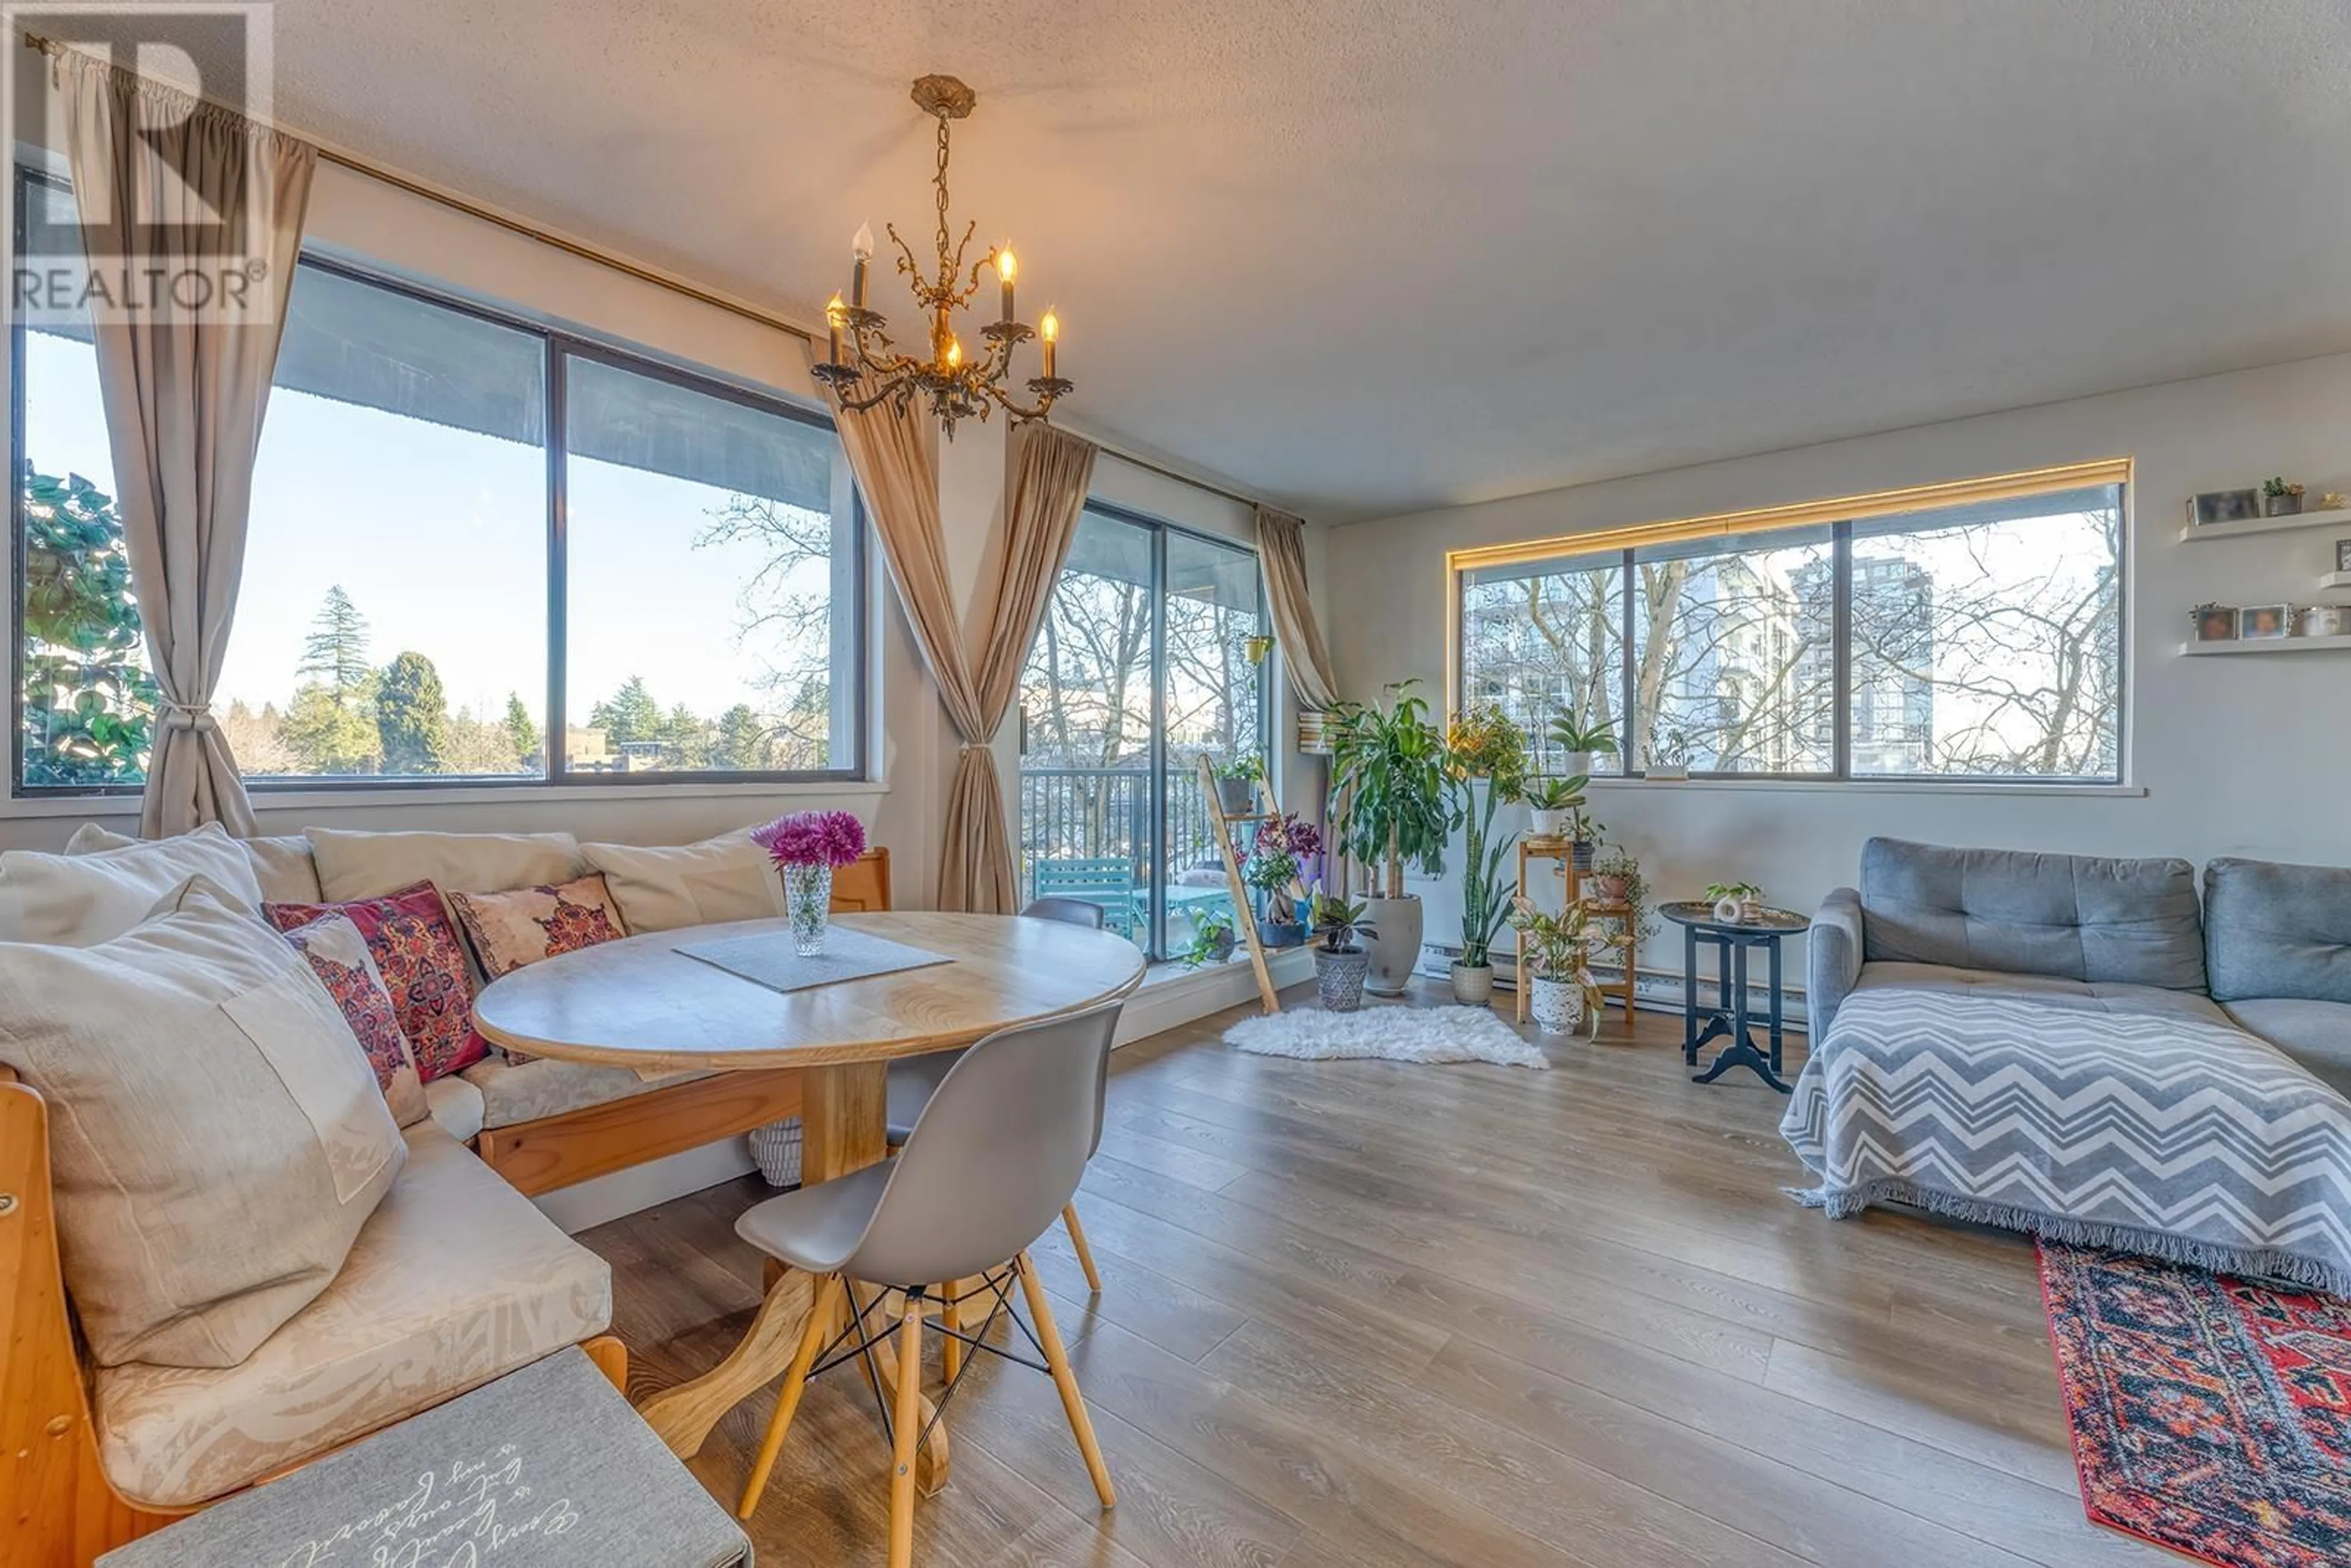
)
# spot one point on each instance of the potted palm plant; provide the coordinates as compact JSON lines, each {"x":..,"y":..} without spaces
{"x":1562,"y":993}
{"x":1339,"y":960}
{"x":1387,"y":810}
{"x":1485,"y":767}
{"x":1583,"y":742}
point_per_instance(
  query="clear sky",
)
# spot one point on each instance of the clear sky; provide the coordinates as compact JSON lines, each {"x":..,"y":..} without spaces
{"x":439,"y":536}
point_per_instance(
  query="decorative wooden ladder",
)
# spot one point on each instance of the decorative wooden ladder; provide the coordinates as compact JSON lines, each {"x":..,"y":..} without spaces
{"x":1244,"y":916}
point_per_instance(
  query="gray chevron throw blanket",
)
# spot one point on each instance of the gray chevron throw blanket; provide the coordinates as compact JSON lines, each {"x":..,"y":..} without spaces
{"x":2173,"y":1136}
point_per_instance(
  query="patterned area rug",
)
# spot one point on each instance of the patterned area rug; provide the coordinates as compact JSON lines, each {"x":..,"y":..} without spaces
{"x":2209,"y":1416}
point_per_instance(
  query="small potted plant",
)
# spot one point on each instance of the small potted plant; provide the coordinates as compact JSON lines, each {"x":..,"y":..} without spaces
{"x":1583,"y":742}
{"x":1212,"y":941}
{"x":1735,"y":902}
{"x":1668,"y":761}
{"x":1339,"y":960}
{"x":1276,"y":868}
{"x":1236,"y":780}
{"x":1560,"y":992}
{"x":2280,"y":499}
{"x":807,"y":847}
{"x":1583,"y":835}
{"x":1551,"y":803}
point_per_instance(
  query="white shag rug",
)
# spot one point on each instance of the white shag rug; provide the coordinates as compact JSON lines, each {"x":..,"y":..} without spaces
{"x":1437,"y":1034}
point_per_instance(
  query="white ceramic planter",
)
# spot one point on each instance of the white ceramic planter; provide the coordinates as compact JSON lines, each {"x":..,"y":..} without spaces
{"x":1577,"y":763}
{"x":1473,"y":987}
{"x":1395,"y":944}
{"x":1557,"y":1004}
{"x":1547,"y":824}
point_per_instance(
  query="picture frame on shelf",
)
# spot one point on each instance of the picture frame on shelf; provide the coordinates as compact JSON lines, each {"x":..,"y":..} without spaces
{"x":2343,"y":555}
{"x":2224,"y":507}
{"x":2322,"y":621}
{"x":2213,"y":622}
{"x":2261,"y":622}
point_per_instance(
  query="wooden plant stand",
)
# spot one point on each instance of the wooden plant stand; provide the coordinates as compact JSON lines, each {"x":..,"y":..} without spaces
{"x":1626,"y":941}
{"x":1244,"y":916}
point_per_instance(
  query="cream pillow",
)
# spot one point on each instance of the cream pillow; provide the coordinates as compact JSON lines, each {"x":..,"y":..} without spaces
{"x":216,"y":1135}
{"x":86,"y":896}
{"x":353,"y":866}
{"x":282,"y":866}
{"x":725,"y":878}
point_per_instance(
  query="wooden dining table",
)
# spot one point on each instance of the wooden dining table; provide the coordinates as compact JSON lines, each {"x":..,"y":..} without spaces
{"x":640,"y":1003}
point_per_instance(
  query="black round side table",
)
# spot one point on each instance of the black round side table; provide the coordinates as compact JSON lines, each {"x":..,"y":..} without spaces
{"x":1733,"y":939}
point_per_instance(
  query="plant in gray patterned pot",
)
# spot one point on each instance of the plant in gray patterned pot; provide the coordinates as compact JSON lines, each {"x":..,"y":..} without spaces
{"x":1339,"y":961}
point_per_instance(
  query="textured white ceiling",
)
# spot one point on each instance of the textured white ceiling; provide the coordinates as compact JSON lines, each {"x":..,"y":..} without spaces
{"x":1370,"y":255}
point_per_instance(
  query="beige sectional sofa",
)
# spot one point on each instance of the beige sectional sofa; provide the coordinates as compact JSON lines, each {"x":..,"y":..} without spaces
{"x":454,"y":1280}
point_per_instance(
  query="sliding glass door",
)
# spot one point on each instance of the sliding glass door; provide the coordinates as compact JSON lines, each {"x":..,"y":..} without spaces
{"x":1142,"y":667}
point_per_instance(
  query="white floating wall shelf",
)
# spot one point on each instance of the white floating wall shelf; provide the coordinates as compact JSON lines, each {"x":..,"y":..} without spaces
{"x":2202,"y":533}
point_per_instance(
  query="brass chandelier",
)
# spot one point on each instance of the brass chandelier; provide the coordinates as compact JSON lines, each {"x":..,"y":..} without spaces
{"x":865,"y":367}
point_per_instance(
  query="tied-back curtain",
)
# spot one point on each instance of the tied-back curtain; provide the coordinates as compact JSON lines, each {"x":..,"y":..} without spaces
{"x":196,"y":212}
{"x":1282,"y":551}
{"x":1047,"y":474}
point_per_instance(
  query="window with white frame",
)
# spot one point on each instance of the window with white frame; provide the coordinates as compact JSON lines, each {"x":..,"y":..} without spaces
{"x":1975,"y":641}
{"x":479,"y":551}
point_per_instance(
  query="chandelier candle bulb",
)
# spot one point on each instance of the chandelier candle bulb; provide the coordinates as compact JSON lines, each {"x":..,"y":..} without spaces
{"x":862,"y":245}
{"x":1049,"y":330}
{"x":1005,"y":267}
{"x":832,"y":328}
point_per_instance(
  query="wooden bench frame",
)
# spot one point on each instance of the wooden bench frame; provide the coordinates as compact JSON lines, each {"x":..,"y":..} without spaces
{"x":58,"y":1510}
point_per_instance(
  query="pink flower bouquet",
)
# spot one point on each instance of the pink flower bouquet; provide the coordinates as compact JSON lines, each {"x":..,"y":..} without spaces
{"x":832,"y":839}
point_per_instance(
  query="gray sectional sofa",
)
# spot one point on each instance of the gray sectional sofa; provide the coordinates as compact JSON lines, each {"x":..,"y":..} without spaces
{"x":2269,"y":950}
{"x":2078,"y":1048}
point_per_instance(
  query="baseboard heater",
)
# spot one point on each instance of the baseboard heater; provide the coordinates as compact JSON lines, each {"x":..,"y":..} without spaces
{"x":1654,"y":990}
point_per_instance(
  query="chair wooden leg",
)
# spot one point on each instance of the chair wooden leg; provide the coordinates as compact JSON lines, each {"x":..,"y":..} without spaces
{"x":908,"y":1421}
{"x":1057,"y":1359}
{"x":611,"y":1359}
{"x":1078,"y":1242}
{"x":788,"y":1397}
{"x":951,"y":1296}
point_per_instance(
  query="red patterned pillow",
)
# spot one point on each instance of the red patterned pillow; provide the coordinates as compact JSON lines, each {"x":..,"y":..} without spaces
{"x":509,"y":930}
{"x":415,"y":948}
{"x":339,"y":956}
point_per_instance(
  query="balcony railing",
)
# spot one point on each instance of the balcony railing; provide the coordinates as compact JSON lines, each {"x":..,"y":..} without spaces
{"x":1092,"y":813}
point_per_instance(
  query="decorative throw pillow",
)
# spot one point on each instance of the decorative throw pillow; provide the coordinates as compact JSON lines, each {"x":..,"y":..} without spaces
{"x":338,"y":956}
{"x":665,"y":889}
{"x":79,"y":900}
{"x":509,"y":930}
{"x":416,"y":950}
{"x":215,"y":1142}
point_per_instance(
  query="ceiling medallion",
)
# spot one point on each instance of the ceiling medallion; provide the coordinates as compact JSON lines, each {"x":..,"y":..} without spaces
{"x":864,"y":366}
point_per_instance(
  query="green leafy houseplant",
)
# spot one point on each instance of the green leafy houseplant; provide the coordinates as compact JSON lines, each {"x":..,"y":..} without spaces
{"x":1482,"y":748}
{"x":1388,"y":786}
{"x":1557,"y":794}
{"x":1336,"y":923}
{"x":1212,"y":941}
{"x":1558,"y":948}
{"x":1616,"y":878}
{"x":1248,"y":768}
{"x":1576,"y":738}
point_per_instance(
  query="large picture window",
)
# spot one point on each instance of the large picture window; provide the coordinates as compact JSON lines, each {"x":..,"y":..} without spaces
{"x":1980,"y":640}
{"x":478,"y":552}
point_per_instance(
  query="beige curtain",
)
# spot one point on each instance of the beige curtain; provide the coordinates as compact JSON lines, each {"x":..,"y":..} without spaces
{"x":1282,"y":551}
{"x":209,"y":205}
{"x":893,"y":453}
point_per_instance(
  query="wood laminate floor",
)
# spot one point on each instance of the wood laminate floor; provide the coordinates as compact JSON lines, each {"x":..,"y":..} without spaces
{"x":1361,"y":1314}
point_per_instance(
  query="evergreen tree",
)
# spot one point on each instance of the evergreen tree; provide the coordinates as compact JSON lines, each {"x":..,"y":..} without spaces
{"x":741,"y":746}
{"x":326,"y":736}
{"x":522,"y":730}
{"x":690,"y":739}
{"x":630,"y":714}
{"x":412,"y":716}
{"x":336,"y":651}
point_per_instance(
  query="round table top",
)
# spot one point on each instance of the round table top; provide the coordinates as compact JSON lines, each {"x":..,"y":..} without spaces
{"x":640,"y":1003}
{"x":1700,"y":912}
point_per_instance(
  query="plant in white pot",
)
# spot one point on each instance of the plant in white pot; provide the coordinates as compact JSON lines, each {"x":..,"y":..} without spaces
{"x":1485,"y":767}
{"x":1557,"y":950}
{"x":1553,"y":806}
{"x":1582,"y":741}
{"x":1387,"y":812}
{"x":1339,"y":959}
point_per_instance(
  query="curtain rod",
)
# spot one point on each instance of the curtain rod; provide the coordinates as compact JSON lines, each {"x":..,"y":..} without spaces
{"x":614,"y":260}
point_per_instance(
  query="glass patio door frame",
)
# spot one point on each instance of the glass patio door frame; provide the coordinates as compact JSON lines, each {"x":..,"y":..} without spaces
{"x":1159,"y":771}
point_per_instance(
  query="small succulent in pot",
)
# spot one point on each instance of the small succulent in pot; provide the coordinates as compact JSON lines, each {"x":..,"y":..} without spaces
{"x":2280,"y":499}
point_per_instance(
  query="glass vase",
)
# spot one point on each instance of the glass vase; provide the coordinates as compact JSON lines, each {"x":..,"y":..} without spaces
{"x":807,"y":901}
